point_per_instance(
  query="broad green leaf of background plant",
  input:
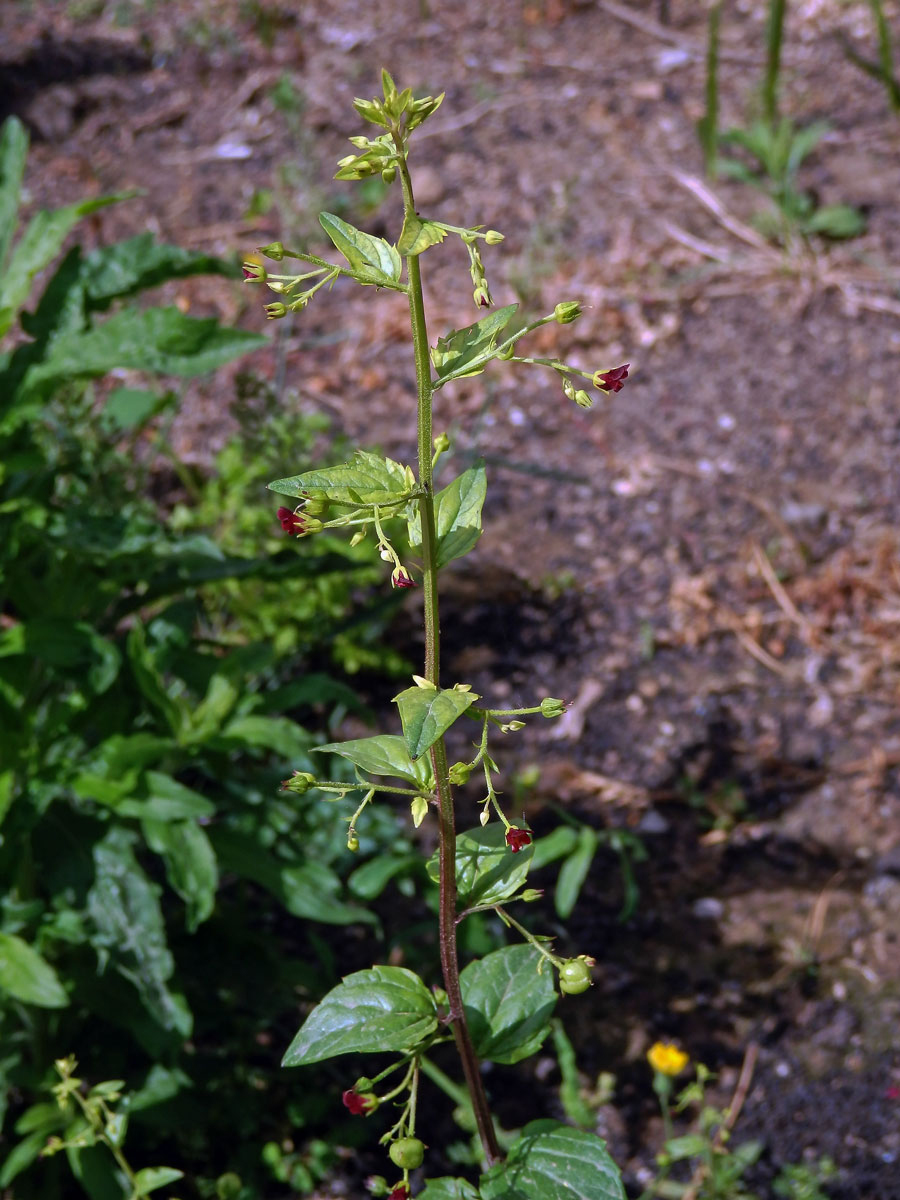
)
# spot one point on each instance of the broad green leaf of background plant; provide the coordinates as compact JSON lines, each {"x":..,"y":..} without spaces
{"x":457,"y":515}
{"x":162,"y":340}
{"x":836,"y":221}
{"x":487,"y":872}
{"x":574,"y":871}
{"x":427,"y":713}
{"x":370,"y":1012}
{"x":418,"y":234}
{"x":509,"y":999}
{"x":460,"y":347}
{"x":371,"y":259}
{"x":386,"y":754}
{"x":366,"y":479}
{"x":26,"y":976}
{"x":191,"y":866}
{"x":554,"y":1162}
{"x":13,"y":154}
{"x":124,"y":907}
{"x":37,"y":248}
{"x":310,"y":891}
{"x":125,"y":268}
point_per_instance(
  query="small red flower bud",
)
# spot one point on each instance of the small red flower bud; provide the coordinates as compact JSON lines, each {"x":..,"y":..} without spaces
{"x":291,"y":522}
{"x":359,"y":1103}
{"x":517,"y":839}
{"x":612,"y":381}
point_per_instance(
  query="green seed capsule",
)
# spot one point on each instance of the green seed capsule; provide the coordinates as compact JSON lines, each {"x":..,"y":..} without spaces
{"x":407,"y":1153}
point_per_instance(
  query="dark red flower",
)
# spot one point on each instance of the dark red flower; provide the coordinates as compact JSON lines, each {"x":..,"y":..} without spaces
{"x":401,"y":578}
{"x":400,"y":1192}
{"x":359,"y":1103}
{"x":612,"y":381}
{"x":291,"y":522}
{"x":517,"y":839}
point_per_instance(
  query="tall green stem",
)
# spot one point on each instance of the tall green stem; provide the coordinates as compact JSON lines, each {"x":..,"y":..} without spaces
{"x":446,"y":819}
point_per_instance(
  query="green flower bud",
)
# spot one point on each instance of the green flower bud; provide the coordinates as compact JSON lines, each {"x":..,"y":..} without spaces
{"x":254,"y":272}
{"x":493,"y":237}
{"x":274,"y":250}
{"x":568,"y":389}
{"x":313,"y":526}
{"x":363,"y":1084}
{"x":531,"y":894}
{"x":347,"y":160}
{"x":482,"y":297}
{"x":551,"y":707}
{"x":300,"y":782}
{"x":567,"y":311}
{"x":512,"y":726}
{"x":316,"y":506}
{"x":358,"y":537}
{"x":377,"y":1185}
{"x":441,"y":443}
{"x":389,"y":174}
{"x":275,"y":311}
{"x":582,"y":399}
{"x":361,"y":143}
{"x":352,"y":846}
{"x":459,"y":773}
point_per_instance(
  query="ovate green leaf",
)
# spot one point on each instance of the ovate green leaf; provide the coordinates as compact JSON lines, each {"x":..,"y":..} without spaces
{"x":370,"y":1012}
{"x":28,"y":977}
{"x":454,"y":353}
{"x":366,"y":479}
{"x":418,"y":234}
{"x":426,"y":714}
{"x":457,"y":515}
{"x":574,"y":872}
{"x":386,"y":754}
{"x":372,"y":259}
{"x":487,"y":871}
{"x":509,"y":998}
{"x":448,"y":1188}
{"x":554,"y":1162}
{"x":149,"y":1179}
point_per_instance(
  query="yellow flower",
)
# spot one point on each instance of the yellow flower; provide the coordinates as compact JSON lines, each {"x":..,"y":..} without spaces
{"x":667,"y":1058}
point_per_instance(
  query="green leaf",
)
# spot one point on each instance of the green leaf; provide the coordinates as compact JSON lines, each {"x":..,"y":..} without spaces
{"x":310,"y":891}
{"x":132,"y":266}
{"x":447,"y":1188}
{"x":371,"y":259}
{"x":574,"y":872}
{"x":487,"y":871}
{"x":457,"y":516}
{"x":159,"y":797}
{"x":13,"y":153}
{"x":369,"y":881}
{"x":509,"y":999}
{"x":39,"y":245}
{"x":418,"y":234}
{"x":370,"y":1012}
{"x":162,"y":340}
{"x":461,"y":347}
{"x":28,"y":977}
{"x":691,"y":1145}
{"x":124,"y":907}
{"x":426,"y":714}
{"x":190,"y":865}
{"x":148,"y":1179}
{"x":385,"y":754}
{"x":554,"y":1162}
{"x":836,"y":221}
{"x":366,"y":479}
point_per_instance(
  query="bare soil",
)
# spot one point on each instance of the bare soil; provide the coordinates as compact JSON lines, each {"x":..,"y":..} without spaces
{"x":706,"y":565}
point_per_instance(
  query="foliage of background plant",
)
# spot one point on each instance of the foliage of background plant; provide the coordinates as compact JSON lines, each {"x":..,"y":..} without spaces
{"x":141,"y":754}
